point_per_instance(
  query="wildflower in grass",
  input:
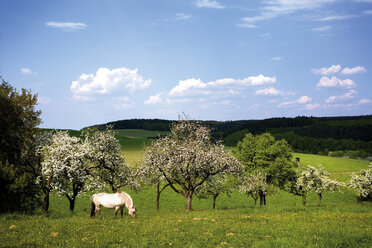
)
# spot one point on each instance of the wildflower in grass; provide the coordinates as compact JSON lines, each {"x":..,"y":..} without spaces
{"x":316,"y":180}
{"x":363,"y":183}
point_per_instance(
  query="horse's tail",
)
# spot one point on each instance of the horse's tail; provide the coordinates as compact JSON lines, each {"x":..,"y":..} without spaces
{"x":93,"y":209}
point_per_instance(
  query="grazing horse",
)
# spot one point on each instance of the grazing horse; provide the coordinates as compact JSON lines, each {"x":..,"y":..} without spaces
{"x":116,"y":200}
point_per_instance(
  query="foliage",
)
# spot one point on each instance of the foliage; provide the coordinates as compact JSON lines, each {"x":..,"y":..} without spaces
{"x":316,"y":180}
{"x":254,"y":184}
{"x":363,"y":183}
{"x":264,"y":153}
{"x":18,"y":122}
{"x":216,"y":185}
{"x":64,"y":165}
{"x":107,"y":164}
{"x":187,"y":158}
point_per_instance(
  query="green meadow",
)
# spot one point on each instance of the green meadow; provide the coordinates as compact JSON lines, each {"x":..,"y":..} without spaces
{"x":340,"y":221}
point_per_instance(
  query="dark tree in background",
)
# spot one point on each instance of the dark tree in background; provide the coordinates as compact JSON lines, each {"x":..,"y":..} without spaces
{"x":18,"y":122}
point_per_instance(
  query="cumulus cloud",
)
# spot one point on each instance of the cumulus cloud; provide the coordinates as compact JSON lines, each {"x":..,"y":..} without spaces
{"x":196,"y":86}
{"x":269,"y":92}
{"x":312,"y":106}
{"x":26,"y":71}
{"x":326,"y":82}
{"x":105,"y":81}
{"x":327,"y":71}
{"x":347,"y":96}
{"x":299,"y":101}
{"x":67,"y":26}
{"x":209,"y":4}
{"x":154,"y":99}
{"x":355,"y":70}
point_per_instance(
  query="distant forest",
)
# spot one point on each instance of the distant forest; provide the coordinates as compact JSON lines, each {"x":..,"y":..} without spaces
{"x":334,"y":136}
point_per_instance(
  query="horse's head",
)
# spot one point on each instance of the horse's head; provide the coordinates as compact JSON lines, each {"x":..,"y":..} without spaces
{"x":132,"y":212}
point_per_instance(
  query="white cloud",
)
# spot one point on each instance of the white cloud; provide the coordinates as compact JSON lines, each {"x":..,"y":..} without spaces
{"x":275,"y":8}
{"x":105,"y":81}
{"x":246,"y":25}
{"x":301,"y":100}
{"x":188,"y":86}
{"x":336,"y":17}
{"x":154,"y":99}
{"x":209,"y":4}
{"x":269,"y":92}
{"x":368,"y":12}
{"x":347,"y":96}
{"x":26,"y":71}
{"x":355,"y":70}
{"x":68,"y":26}
{"x":182,"y":16}
{"x":322,"y":29}
{"x":326,"y":82}
{"x":327,"y":71}
{"x":194,"y":86}
{"x":365,"y":101}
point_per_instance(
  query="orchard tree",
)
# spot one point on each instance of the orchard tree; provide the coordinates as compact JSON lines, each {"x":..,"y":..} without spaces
{"x":149,"y":175}
{"x":107,"y":164}
{"x":64,"y":165}
{"x":272,"y":157}
{"x":254,"y":184}
{"x":217,"y":185}
{"x":187,"y":158}
{"x":363,"y":183}
{"x":316,"y":180}
{"x":18,"y":124}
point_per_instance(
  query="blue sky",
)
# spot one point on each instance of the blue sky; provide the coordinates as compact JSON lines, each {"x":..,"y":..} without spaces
{"x":96,"y":61}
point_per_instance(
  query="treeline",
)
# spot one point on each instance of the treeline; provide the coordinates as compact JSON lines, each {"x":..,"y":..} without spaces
{"x":338,"y":136}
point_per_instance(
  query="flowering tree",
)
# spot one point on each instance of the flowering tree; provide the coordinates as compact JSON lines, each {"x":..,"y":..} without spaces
{"x":216,"y":185}
{"x":107,"y":164}
{"x":64,"y":165}
{"x":363,"y":183}
{"x":149,"y":175}
{"x":254,"y":184}
{"x":316,"y":180}
{"x":187,"y":158}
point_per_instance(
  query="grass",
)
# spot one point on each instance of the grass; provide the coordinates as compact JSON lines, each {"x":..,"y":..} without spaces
{"x":339,"y":168}
{"x":340,"y":221}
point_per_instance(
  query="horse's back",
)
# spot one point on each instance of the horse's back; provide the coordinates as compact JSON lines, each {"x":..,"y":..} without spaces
{"x":108,"y":200}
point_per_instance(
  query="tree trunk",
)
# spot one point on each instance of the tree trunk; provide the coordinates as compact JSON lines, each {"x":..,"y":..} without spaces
{"x":261,"y":199}
{"x":157,"y":196}
{"x":214,"y":200}
{"x":72,"y":202}
{"x":303,"y":198}
{"x":264,"y":198}
{"x":189,"y":201}
{"x":319,"y":198}
{"x":45,"y":207}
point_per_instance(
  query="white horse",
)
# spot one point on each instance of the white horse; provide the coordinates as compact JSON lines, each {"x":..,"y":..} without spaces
{"x":116,"y":200}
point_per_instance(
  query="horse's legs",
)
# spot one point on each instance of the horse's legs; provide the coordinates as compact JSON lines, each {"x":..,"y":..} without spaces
{"x":98,"y":209}
{"x":116,"y":210}
{"x":121,"y":211}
